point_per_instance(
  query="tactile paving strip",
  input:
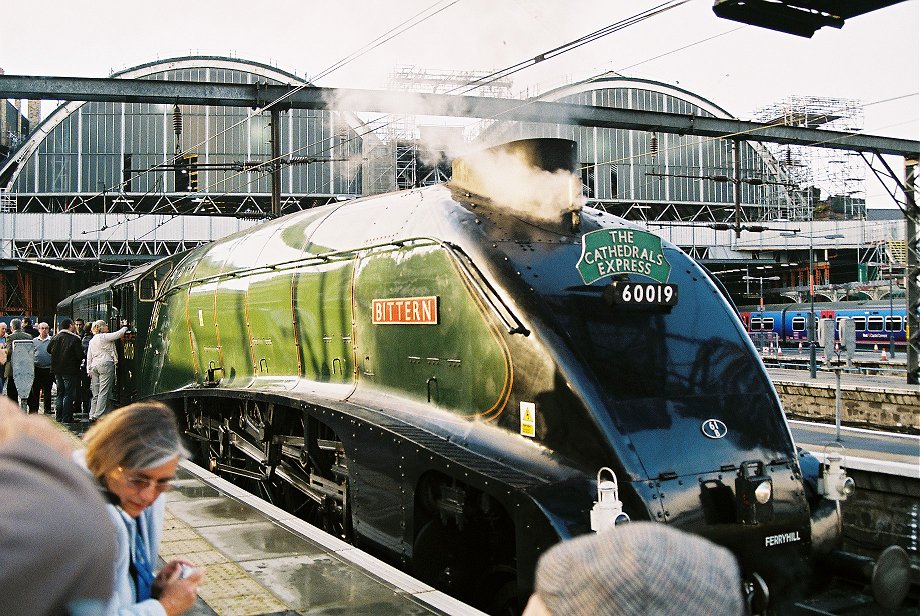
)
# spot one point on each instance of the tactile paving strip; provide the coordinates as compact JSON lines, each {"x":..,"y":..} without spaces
{"x":227,"y":588}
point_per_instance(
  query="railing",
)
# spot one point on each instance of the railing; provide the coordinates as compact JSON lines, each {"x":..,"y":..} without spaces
{"x":7,"y":201}
{"x":765,"y":342}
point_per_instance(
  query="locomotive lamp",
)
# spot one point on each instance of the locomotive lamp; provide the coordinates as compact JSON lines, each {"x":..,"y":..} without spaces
{"x":754,"y":492}
{"x":764,"y":492}
{"x":608,"y":510}
{"x":834,"y":483}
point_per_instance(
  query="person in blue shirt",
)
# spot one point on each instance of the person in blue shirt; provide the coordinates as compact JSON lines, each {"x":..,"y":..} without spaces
{"x":133,"y":453}
{"x":41,"y":385}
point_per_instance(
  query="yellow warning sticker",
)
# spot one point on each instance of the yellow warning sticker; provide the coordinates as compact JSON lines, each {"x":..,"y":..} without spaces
{"x":528,"y":419}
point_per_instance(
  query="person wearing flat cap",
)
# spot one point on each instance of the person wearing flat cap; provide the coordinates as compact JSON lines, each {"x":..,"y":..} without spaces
{"x":640,"y":568}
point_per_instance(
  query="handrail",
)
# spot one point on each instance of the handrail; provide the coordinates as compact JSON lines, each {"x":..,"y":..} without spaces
{"x":473,"y":275}
{"x":318,"y":259}
{"x":486,"y":292}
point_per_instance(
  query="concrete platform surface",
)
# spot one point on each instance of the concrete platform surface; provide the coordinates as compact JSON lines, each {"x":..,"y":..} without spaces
{"x":260,"y":560}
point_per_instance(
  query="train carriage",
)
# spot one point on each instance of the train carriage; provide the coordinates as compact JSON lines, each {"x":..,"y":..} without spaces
{"x":125,"y":300}
{"x":875,"y":322}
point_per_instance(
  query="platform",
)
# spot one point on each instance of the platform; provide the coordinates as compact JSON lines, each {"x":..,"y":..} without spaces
{"x":896,"y":383}
{"x":880,"y":402}
{"x":259,"y":559}
{"x":867,"y":450}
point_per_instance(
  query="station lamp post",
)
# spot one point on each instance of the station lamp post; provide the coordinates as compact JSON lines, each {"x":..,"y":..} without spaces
{"x":890,"y":305}
{"x":812,"y":318}
{"x":761,"y":279}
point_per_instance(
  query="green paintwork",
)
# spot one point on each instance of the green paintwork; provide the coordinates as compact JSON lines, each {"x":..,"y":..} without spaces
{"x":323,"y":309}
{"x":201,"y":322}
{"x":271,"y":327}
{"x":463,"y":352}
{"x":230,"y":316}
{"x":170,"y":346}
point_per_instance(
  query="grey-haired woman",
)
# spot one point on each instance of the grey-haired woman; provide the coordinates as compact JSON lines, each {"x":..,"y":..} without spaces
{"x":133,"y":453}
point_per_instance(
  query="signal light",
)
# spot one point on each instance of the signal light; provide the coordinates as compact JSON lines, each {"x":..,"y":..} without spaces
{"x":187,"y":173}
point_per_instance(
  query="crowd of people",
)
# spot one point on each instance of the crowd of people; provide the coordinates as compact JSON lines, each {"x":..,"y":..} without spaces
{"x":78,"y":362}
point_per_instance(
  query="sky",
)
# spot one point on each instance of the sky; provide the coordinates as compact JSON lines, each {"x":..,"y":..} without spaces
{"x":873,"y":58}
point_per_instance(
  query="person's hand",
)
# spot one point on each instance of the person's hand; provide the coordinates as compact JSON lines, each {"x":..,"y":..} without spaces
{"x":176,"y":594}
{"x":163,"y":575}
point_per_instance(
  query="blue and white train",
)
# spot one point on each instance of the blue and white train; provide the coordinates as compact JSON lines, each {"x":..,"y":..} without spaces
{"x":877,"y":322}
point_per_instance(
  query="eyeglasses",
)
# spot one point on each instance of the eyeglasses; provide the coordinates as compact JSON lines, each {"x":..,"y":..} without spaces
{"x":139,"y":483}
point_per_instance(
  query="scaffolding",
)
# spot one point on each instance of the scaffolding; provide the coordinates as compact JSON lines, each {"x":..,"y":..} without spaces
{"x":403,"y":133}
{"x":436,"y":81}
{"x":839,"y":174}
{"x":7,"y":201}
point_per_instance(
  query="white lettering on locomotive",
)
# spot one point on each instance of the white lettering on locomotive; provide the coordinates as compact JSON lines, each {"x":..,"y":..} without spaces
{"x":405,"y":311}
{"x":772,"y":540}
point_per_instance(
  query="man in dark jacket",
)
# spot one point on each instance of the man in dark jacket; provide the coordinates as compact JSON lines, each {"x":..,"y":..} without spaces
{"x":66,"y":357}
{"x":85,"y":388}
{"x":28,"y":328}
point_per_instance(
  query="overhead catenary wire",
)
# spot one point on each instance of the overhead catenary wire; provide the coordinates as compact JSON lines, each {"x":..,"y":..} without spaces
{"x":558,"y":50}
{"x":386,"y":37}
{"x":549,"y":54}
{"x":614,"y":161}
{"x":401,"y":29}
{"x":574,"y":44}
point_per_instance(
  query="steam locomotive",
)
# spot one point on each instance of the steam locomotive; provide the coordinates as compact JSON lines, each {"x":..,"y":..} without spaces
{"x":444,"y":376}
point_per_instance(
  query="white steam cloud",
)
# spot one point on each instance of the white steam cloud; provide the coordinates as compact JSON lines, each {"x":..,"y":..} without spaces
{"x":507,"y":180}
{"x":515,"y":185}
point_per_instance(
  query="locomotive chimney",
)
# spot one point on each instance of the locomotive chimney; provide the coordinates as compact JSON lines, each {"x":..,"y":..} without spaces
{"x":536,"y":178}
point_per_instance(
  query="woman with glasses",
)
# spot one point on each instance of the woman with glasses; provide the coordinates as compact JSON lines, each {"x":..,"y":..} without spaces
{"x":133,"y":453}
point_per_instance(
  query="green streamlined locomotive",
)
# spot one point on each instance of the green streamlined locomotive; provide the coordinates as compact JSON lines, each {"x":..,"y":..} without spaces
{"x":439,"y":375}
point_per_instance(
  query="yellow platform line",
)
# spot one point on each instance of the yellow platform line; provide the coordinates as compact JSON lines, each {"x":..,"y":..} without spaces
{"x":227,"y":588}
